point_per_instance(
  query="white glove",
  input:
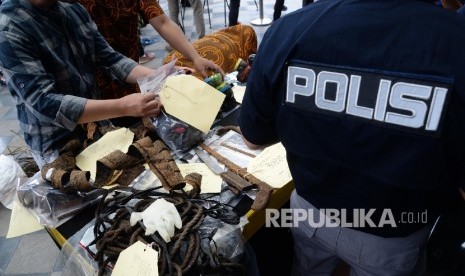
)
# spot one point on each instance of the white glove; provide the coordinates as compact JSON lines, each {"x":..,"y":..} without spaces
{"x":161,"y":216}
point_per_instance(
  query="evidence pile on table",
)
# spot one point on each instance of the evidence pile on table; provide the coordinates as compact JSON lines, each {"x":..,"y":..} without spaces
{"x":184,"y":198}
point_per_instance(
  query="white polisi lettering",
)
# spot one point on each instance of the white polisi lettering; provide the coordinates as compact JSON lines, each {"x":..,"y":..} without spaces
{"x":341,"y":81}
{"x":437,"y":104}
{"x":410,"y":98}
{"x":382,"y":99}
{"x":304,"y":75}
{"x":352,"y":107}
{"x":417,"y":109}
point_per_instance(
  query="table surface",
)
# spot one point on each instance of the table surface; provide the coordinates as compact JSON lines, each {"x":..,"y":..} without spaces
{"x":256,"y":218}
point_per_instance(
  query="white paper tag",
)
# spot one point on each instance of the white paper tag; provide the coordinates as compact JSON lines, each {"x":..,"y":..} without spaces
{"x":137,"y":260}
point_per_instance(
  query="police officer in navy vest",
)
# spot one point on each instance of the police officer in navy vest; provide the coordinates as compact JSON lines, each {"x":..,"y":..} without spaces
{"x":368,"y":98}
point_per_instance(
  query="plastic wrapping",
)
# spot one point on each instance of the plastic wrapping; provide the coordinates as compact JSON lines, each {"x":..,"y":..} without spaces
{"x":77,"y":260}
{"x":53,"y":207}
{"x":79,"y":263}
{"x":146,"y":180}
{"x":79,"y":256}
{"x":11,"y":175}
{"x":154,"y":82}
{"x":229,"y":241}
{"x":226,"y":240}
{"x":177,"y":135}
{"x":222,"y":242}
{"x":220,"y":228}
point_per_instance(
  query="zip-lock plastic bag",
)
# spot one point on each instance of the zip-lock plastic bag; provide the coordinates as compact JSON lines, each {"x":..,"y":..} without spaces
{"x":176,"y":134}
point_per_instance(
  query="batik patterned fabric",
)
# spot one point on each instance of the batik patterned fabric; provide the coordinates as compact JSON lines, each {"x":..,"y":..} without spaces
{"x":223,"y":47}
{"x":117,"y":21}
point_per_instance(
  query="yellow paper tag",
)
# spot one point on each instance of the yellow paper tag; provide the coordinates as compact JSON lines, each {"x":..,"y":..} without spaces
{"x":239,"y":92}
{"x":137,"y":260}
{"x":22,"y":221}
{"x":271,"y":166}
{"x":119,"y":139}
{"x":191,"y":100}
{"x":211,"y":183}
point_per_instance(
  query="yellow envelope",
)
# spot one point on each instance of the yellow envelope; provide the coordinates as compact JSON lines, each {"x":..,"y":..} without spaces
{"x":191,"y":100}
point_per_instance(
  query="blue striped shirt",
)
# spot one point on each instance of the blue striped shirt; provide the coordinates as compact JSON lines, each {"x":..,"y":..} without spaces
{"x":50,"y":57}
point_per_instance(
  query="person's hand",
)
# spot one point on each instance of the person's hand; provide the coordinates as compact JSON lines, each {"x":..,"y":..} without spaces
{"x":203,"y":64}
{"x":161,"y":216}
{"x":141,"y":105}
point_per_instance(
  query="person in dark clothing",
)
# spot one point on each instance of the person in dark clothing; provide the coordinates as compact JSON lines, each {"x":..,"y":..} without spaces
{"x":278,"y":8}
{"x":368,"y":101}
{"x":234,"y":6}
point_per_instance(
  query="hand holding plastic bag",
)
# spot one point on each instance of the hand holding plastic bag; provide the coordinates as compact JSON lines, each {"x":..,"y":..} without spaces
{"x":161,"y":216}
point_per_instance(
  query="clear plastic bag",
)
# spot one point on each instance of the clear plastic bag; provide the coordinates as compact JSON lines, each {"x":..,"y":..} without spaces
{"x":177,"y":135}
{"x":226,"y":240}
{"x":10,"y":175}
{"x":77,"y":260}
{"x":53,"y":207}
{"x":229,"y":241}
{"x":154,"y":82}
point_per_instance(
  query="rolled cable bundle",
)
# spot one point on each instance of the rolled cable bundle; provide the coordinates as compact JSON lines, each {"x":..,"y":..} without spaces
{"x":181,"y":251}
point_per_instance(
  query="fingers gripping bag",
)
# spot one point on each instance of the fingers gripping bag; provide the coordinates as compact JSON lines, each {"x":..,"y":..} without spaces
{"x":178,"y":135}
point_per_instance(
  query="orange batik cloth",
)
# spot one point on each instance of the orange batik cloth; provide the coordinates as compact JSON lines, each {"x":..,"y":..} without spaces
{"x":224,"y":47}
